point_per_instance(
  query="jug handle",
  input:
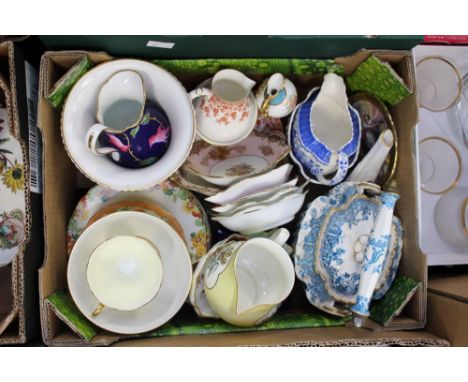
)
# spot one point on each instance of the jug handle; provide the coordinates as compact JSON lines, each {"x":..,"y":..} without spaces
{"x":343,"y":165}
{"x":200,"y":92}
{"x":280,"y":236}
{"x":92,"y":140}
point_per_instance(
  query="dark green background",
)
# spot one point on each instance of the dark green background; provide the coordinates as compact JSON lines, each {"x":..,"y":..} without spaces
{"x":231,"y":46}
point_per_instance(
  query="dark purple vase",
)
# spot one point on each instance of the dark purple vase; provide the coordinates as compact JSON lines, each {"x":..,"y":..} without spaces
{"x":143,"y":144}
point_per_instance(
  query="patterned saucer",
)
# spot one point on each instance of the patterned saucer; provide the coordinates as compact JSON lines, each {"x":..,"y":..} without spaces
{"x":149,"y":208}
{"x":261,"y":151}
{"x":324,"y":257}
{"x":181,"y":203}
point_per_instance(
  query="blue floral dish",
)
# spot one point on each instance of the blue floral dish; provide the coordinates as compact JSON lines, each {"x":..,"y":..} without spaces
{"x":333,"y":230}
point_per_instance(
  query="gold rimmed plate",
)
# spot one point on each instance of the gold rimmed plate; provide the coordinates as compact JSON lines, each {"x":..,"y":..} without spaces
{"x":376,"y":118}
{"x":440,"y":165}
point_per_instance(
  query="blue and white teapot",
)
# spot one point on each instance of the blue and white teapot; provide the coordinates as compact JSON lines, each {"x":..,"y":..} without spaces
{"x":325,"y":133}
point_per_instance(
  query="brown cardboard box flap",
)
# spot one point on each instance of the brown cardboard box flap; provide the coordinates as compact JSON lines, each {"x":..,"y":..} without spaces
{"x":448,"y":318}
{"x":455,"y":287}
{"x":15,"y":320}
{"x":337,"y":336}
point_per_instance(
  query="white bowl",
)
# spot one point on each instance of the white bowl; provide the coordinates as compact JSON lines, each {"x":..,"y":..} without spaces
{"x":79,"y":114}
{"x":176,"y":279}
{"x":251,"y":185}
{"x":263,"y":217}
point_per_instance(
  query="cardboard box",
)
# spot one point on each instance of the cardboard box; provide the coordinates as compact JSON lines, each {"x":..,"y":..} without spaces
{"x":19,"y":308}
{"x":448,"y":308}
{"x":60,"y":199}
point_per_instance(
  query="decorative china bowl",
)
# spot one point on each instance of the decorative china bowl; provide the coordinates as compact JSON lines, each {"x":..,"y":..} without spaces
{"x":175,"y":282}
{"x":251,"y":185}
{"x":264,"y":216}
{"x":257,"y":197}
{"x":79,"y":113}
{"x":261,"y":151}
{"x":193,"y":182}
{"x":330,"y":241}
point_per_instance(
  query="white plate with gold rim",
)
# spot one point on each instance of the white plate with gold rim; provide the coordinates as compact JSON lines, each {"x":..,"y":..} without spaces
{"x":438,"y":251}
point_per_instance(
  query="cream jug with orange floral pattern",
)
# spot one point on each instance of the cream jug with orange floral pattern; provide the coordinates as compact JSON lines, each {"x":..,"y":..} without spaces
{"x":225,"y":108}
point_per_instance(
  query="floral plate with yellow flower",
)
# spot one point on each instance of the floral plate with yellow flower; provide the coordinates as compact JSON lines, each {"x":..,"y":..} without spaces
{"x":13,"y":227}
{"x":181,"y":203}
{"x":261,"y":151}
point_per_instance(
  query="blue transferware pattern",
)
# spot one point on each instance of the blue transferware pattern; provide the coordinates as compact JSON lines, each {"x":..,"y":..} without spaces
{"x":311,"y":157}
{"x":312,"y":143}
{"x":311,"y":169}
{"x":375,"y":253}
{"x":144,"y":144}
{"x":387,"y":280}
{"x":335,"y":259}
{"x":362,"y":304}
{"x":307,"y":240}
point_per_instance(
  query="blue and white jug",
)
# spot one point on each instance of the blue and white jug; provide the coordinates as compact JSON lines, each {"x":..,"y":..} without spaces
{"x":325,"y":133}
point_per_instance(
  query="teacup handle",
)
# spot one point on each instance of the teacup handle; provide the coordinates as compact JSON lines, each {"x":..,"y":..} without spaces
{"x":343,"y":164}
{"x":280,"y":236}
{"x":92,"y":140}
{"x":98,"y":310}
{"x":200,"y":92}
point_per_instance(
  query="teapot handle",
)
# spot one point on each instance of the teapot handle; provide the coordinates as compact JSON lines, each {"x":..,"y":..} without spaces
{"x":92,"y":140}
{"x":343,"y":165}
{"x":200,"y":92}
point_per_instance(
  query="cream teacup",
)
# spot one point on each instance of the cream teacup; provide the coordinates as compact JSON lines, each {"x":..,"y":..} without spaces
{"x":124,"y":273}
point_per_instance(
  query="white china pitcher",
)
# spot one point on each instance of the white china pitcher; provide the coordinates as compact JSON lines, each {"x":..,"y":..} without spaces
{"x":325,"y":133}
{"x":225,"y":108}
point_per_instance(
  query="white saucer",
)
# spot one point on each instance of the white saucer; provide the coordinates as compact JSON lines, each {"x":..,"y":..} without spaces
{"x":79,"y":114}
{"x":176,"y":279}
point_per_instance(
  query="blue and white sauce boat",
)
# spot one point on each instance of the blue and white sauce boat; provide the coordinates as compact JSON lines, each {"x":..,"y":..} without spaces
{"x":325,"y":133}
{"x":332,"y":254}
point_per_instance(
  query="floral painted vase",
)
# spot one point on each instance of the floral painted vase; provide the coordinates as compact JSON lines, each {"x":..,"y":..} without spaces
{"x":134,"y":131}
{"x":144,"y":144}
